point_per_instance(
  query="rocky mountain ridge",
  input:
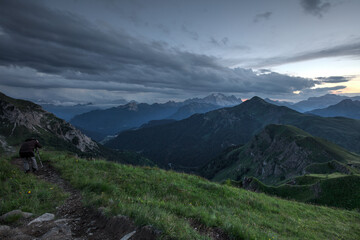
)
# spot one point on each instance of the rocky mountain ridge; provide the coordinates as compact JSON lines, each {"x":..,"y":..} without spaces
{"x":21,"y":118}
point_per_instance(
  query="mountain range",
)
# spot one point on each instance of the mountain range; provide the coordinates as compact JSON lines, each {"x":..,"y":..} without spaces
{"x":193,"y":142}
{"x":67,"y":112}
{"x":346,"y":108}
{"x":100,"y":123}
{"x":313,"y":102}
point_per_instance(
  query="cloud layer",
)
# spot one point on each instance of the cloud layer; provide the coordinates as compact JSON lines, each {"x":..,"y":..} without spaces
{"x":262,"y":16}
{"x":351,"y":49}
{"x":315,"y":7}
{"x":44,"y":48}
{"x":334,"y":79}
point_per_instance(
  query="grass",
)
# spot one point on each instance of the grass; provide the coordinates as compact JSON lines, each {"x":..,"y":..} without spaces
{"x":336,"y":189}
{"x":168,"y":200}
{"x":26,"y":192}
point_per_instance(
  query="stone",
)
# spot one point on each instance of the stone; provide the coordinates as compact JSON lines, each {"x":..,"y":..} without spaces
{"x":43,"y":218}
{"x":60,"y":232}
{"x":62,"y":221}
{"x":10,"y":214}
{"x":128,"y":236}
{"x":27,"y":214}
{"x":16,"y":212}
{"x":4,"y":228}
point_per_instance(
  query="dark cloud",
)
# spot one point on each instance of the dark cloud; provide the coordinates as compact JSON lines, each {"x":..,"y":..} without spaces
{"x":222,"y":42}
{"x":43,"y":48}
{"x":193,"y":35}
{"x":320,"y":91}
{"x":163,"y":28}
{"x":262,"y":16}
{"x":315,"y":7}
{"x":334,"y":79}
{"x":348,"y":49}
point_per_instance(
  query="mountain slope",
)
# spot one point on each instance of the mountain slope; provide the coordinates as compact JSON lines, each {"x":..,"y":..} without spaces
{"x":336,"y":190}
{"x":192,"y":108}
{"x":345,"y":108}
{"x":277,"y":153}
{"x":184,"y":206}
{"x":22,"y":119}
{"x":279,"y":103}
{"x":192,"y":142}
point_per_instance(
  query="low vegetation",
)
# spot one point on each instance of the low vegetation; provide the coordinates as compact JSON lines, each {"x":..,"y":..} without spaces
{"x":336,"y":189}
{"x":26,"y":192}
{"x":173,"y":202}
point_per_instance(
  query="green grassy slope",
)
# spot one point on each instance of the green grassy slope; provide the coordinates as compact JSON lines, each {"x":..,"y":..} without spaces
{"x":278,"y":153}
{"x":337,"y":190}
{"x":169,"y":201}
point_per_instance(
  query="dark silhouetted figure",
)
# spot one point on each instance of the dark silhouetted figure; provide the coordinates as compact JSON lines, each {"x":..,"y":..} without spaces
{"x":27,"y":154}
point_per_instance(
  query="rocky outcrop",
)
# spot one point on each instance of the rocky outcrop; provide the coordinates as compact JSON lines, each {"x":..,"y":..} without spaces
{"x":278,"y":157}
{"x":26,"y":115}
{"x":279,"y":153}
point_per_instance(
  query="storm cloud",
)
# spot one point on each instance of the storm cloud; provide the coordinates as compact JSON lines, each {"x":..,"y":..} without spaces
{"x":335,"y":79}
{"x":262,"y":16}
{"x":45,"y":48}
{"x":315,"y":7}
{"x":351,"y":49}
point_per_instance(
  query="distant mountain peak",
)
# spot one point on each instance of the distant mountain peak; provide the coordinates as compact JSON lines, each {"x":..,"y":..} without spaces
{"x":347,"y":101}
{"x":131,"y":106}
{"x":256,"y":100}
{"x":219,"y":99}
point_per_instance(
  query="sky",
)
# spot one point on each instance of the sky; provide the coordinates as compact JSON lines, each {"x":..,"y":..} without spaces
{"x":160,"y":50}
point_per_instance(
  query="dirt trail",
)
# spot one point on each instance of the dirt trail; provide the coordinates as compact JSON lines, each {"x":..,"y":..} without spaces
{"x":84,"y":222}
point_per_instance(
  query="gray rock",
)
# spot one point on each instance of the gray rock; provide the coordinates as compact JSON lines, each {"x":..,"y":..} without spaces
{"x":62,"y":221}
{"x":14,"y":213}
{"x":43,"y":218}
{"x":4,"y":228}
{"x":23,"y":237}
{"x":128,"y":236}
{"x":60,"y":232}
{"x":27,"y":214}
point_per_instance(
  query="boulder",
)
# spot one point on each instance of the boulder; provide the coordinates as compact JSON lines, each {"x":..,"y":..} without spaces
{"x":4,"y":228}
{"x":16,"y":212}
{"x":43,"y":218}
